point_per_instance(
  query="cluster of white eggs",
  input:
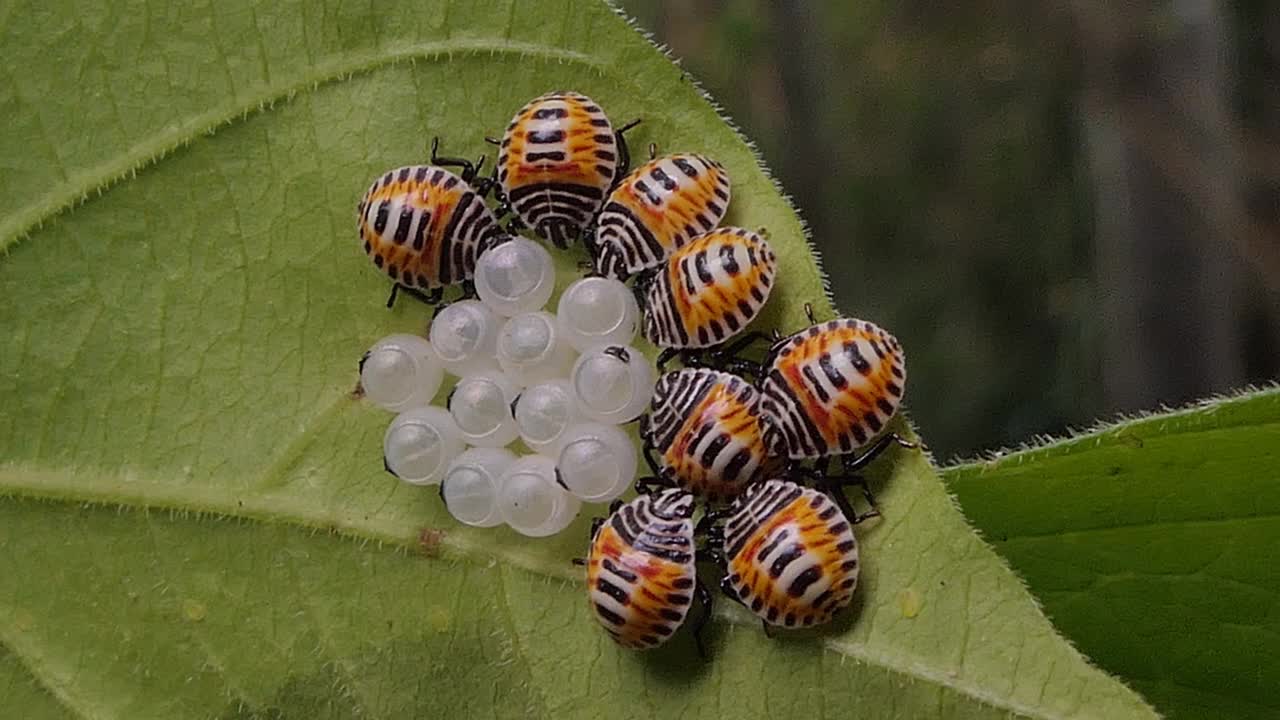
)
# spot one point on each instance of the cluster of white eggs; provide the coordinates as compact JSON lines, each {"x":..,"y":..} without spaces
{"x":561,"y":383}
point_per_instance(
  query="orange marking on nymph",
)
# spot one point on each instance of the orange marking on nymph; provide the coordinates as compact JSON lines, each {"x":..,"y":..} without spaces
{"x":813,"y":535}
{"x":763,"y":532}
{"x":811,"y":405}
{"x":720,"y":407}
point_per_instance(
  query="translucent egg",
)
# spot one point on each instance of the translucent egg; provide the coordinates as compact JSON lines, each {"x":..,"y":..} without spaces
{"x":400,"y":372}
{"x":530,"y":500}
{"x":543,"y":412}
{"x":598,"y":311}
{"x":531,"y":349}
{"x":470,"y":485}
{"x":481,"y":406}
{"x":597,"y":463}
{"x":464,"y":335}
{"x":419,"y":445}
{"x":515,"y":277}
{"x":613,"y":383}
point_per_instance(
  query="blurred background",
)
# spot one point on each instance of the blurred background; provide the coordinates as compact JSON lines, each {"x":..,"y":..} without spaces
{"x":1064,"y":211}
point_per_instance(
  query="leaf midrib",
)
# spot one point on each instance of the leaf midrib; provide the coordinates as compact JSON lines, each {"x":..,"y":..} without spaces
{"x":273,"y":508}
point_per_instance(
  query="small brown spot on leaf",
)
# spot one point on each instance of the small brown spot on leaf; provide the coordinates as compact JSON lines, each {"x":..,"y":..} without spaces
{"x":429,"y":541}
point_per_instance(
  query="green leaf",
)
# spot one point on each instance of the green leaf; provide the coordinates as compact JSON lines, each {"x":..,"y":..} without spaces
{"x":194,"y":520}
{"x":1152,"y":544}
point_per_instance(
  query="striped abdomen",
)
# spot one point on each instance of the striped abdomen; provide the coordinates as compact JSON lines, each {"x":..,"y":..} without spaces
{"x":706,"y":426}
{"x":709,"y":290}
{"x":640,"y":571}
{"x":790,"y":553}
{"x":659,"y":207}
{"x":425,"y":227}
{"x":830,"y":389}
{"x":558,"y":158}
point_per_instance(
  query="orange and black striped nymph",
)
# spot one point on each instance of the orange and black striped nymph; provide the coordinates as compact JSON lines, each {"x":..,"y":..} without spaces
{"x":705,"y":425}
{"x":830,"y":389}
{"x":425,"y":227}
{"x":708,"y":290}
{"x":640,"y":571}
{"x":790,"y":555}
{"x":558,"y":159}
{"x":659,"y":207}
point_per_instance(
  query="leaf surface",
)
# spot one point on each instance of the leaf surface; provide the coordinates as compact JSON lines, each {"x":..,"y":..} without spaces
{"x":1152,"y":544}
{"x":195,"y":518}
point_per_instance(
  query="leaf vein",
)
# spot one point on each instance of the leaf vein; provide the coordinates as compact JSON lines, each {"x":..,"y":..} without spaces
{"x":148,"y":152}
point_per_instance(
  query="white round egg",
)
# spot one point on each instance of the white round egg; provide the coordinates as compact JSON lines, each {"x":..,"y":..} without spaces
{"x":419,"y":444}
{"x":470,"y":485}
{"x":597,"y":463}
{"x":481,"y":406}
{"x":613,"y":383}
{"x":531,"y":349}
{"x":531,"y":502}
{"x":399,"y":372}
{"x":543,"y":412}
{"x":515,"y":277}
{"x":598,"y":311}
{"x":464,"y":335}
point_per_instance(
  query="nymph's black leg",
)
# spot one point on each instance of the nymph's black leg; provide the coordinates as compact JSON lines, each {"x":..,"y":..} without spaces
{"x":624,"y":154}
{"x":704,"y":599}
{"x":649,"y":484}
{"x":739,"y":366}
{"x":833,"y":487}
{"x":468,"y":289}
{"x":778,"y":341}
{"x":653,"y":151}
{"x":714,"y":533}
{"x":654,"y":466}
{"x":504,"y":203}
{"x":436,"y":311}
{"x":740,"y":343}
{"x":590,"y":244}
{"x":469,"y":169}
{"x":430,"y":298}
{"x":852,"y":465}
{"x":515,"y":225}
{"x":768,"y":629}
{"x":694,"y":359}
{"x":726,"y":587}
{"x":815,"y":477}
{"x":484,"y":185}
{"x":596,"y":523}
{"x":835,"y":490}
{"x":666,"y":356}
{"x":492,"y":140}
